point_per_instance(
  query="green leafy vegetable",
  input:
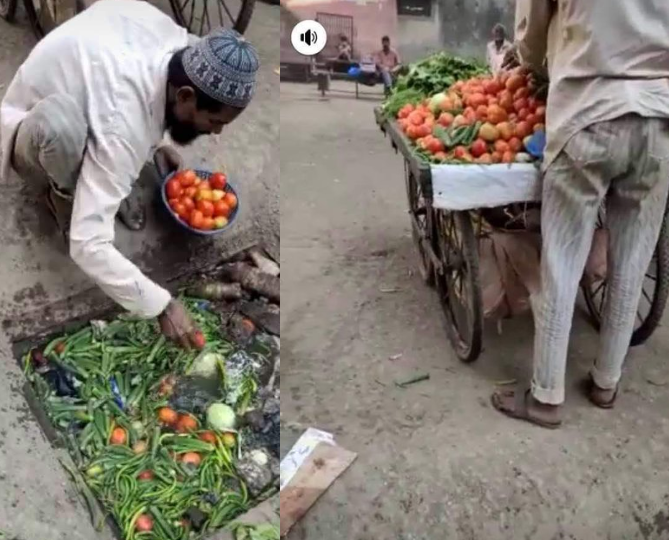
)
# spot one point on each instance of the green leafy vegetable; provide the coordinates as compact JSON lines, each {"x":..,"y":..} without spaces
{"x":430,"y":76}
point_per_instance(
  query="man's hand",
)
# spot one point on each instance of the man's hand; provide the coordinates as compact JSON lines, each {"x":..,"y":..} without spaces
{"x":167,"y":160}
{"x":176,"y":324}
{"x":511,"y":59}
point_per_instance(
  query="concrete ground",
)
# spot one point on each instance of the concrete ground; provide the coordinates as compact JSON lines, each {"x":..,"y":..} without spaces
{"x":435,"y":460}
{"x":40,"y":288}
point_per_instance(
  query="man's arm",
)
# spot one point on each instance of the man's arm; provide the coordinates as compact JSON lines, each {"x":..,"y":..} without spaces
{"x":532,"y":21}
{"x":106,"y":179}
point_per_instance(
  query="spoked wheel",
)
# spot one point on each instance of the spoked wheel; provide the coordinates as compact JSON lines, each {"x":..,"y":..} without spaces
{"x":458,"y":282}
{"x":653,"y":297}
{"x":420,"y":212}
{"x":203,"y":16}
{"x":42,"y":17}
{"x":8,"y":9}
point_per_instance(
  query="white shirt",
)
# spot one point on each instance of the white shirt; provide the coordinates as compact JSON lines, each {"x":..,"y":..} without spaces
{"x":495,"y":57}
{"x":606,"y":59}
{"x":112,"y":59}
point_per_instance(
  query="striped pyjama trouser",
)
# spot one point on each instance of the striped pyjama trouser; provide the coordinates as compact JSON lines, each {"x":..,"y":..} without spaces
{"x":50,"y":144}
{"x":625,"y":164}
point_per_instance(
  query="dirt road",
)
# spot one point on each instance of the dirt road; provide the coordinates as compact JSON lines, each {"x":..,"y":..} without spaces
{"x":435,"y":460}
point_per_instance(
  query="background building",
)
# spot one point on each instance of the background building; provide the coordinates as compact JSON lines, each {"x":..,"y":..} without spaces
{"x":416,"y":27}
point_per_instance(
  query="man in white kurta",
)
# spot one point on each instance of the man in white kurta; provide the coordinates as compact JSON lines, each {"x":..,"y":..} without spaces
{"x":607,"y":142}
{"x":91,"y":105}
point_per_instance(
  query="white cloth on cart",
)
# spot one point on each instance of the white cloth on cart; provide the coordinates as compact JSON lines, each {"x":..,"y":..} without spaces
{"x":466,"y":187}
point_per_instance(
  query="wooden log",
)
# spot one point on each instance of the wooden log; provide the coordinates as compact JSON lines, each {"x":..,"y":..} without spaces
{"x":217,"y":291}
{"x":264,"y":264}
{"x":254,"y":280}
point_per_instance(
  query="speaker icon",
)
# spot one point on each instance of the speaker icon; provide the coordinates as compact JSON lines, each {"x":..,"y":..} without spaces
{"x":308,"y":37}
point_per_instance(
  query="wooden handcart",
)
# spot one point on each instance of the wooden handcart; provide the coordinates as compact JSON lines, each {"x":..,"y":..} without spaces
{"x":448,"y":241}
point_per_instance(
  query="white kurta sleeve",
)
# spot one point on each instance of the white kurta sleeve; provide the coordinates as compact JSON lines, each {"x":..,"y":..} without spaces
{"x":109,"y":168}
{"x":532,"y":21}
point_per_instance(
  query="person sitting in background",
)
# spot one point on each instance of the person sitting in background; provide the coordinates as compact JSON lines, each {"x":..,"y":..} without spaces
{"x":497,"y":49}
{"x":387,"y":63}
{"x":344,"y":49}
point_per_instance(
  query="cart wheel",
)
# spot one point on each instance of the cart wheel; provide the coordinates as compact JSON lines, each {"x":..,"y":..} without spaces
{"x":421,"y":223}
{"x":41,"y":16}
{"x":203,"y":16}
{"x":8,"y":9}
{"x":654,"y":294}
{"x":458,"y":282}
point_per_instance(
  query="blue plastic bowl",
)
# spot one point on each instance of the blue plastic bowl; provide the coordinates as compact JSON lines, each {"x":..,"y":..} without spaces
{"x":205,"y":175}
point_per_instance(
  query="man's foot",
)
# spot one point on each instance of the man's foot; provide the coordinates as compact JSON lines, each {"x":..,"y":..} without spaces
{"x":601,"y":397}
{"x":521,"y":404}
{"x":61,"y":210}
{"x":132,"y":213}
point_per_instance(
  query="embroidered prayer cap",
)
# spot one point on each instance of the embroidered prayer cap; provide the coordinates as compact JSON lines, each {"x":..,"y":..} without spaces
{"x":223,"y":65}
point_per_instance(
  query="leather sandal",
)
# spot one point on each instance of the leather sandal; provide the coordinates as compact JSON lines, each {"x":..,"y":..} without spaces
{"x":601,"y":397}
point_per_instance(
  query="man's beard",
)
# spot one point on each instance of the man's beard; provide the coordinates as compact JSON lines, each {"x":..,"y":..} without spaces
{"x":182,"y":133}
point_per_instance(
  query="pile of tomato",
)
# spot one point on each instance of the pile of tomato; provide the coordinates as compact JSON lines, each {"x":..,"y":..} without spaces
{"x":482,"y":120}
{"x":203,"y":204}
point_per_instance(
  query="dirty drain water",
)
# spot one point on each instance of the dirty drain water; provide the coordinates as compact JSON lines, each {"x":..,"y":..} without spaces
{"x":164,"y":443}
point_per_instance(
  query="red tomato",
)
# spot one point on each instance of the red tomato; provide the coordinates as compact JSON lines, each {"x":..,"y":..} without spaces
{"x":192,"y":458}
{"x":118,"y":436}
{"x":482,"y":112}
{"x":423,"y":130}
{"x":508,"y":157}
{"x":479,"y":147}
{"x":460,"y":152}
{"x":196,"y":219}
{"x":523,"y":130}
{"x":532,"y":120}
{"x":541,"y":113}
{"x":186,"y":423}
{"x":206,"y":207}
{"x":434,"y":145}
{"x":198,"y":339}
{"x":520,"y":104}
{"x":145,"y":475}
{"x":515,"y":144}
{"x":173,"y":189}
{"x":231,"y":200}
{"x":501,"y":146}
{"x":221,"y":208}
{"x":188,"y":203}
{"x":208,"y":224}
{"x":187,"y":178}
{"x":181,"y":211}
{"x":190,"y":192}
{"x":218,"y":181}
{"x":204,"y":185}
{"x":416,"y":118}
{"x":208,"y":437}
{"x":445,"y":119}
{"x":173,"y":203}
{"x":144,"y":523}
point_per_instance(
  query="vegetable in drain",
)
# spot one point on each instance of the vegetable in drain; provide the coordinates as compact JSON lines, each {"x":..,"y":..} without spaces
{"x":221,"y":417}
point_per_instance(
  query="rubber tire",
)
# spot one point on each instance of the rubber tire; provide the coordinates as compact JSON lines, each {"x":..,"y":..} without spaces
{"x":243,"y":19}
{"x":470,"y":253}
{"x":425,"y":266}
{"x":660,"y":295}
{"x":8,"y":10}
{"x":32,"y":17}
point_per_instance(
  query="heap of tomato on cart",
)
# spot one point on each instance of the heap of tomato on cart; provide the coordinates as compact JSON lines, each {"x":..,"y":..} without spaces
{"x":472,"y":149}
